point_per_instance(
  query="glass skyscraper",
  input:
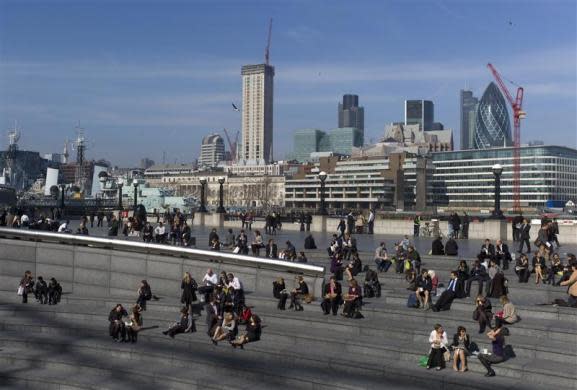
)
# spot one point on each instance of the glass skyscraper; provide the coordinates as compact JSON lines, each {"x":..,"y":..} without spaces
{"x":421,"y":112}
{"x":468,"y":105}
{"x":350,"y":114}
{"x":492,"y":124}
{"x":307,"y":141}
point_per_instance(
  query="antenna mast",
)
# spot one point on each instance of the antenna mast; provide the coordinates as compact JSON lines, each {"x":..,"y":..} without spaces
{"x":267,"y":49}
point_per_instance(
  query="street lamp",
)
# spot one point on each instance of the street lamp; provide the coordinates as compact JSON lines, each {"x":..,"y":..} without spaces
{"x":63,"y":189}
{"x":220,"y":208}
{"x":202,"y":208}
{"x":119,"y":184}
{"x":322,"y":178}
{"x":135,"y":184}
{"x":497,"y":171}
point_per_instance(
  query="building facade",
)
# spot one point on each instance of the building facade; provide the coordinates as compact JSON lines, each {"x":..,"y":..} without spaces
{"x":421,"y":112}
{"x":492,"y":124}
{"x":307,"y":141}
{"x":211,"y":151}
{"x":350,"y":113}
{"x":343,"y":140}
{"x":468,"y":109}
{"x":547,"y":173}
{"x":257,"y":113}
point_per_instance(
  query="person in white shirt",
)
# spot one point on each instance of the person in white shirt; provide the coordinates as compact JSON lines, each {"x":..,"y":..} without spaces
{"x":160,"y":233}
{"x":63,"y":228}
{"x":209,"y":280}
{"x":371,"y":221}
{"x":238,"y":293}
{"x":438,"y":340}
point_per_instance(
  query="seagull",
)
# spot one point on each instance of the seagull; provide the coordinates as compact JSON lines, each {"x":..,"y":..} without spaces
{"x":510,"y":23}
{"x":235,"y":107}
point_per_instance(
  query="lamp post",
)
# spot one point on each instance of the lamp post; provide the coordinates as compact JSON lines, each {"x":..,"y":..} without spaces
{"x":497,"y":171}
{"x":322,"y":178}
{"x":220,"y":208}
{"x":63,"y":189}
{"x":135,"y":185}
{"x":202,"y":208}
{"x":120,"y":184}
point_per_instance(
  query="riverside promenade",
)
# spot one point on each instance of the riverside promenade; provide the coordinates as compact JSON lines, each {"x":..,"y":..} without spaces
{"x":67,"y":346}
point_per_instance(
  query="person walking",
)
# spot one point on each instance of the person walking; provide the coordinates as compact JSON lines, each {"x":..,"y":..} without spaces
{"x":524,"y":235}
{"x":416,"y":225}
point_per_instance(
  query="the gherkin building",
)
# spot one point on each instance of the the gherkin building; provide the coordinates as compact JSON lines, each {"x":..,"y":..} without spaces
{"x":492,"y":125}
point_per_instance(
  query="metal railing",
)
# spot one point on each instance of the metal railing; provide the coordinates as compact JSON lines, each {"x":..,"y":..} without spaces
{"x":158,"y":249}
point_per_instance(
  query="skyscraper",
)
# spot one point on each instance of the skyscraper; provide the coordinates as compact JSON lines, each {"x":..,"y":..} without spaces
{"x":421,"y":112}
{"x":350,"y":114}
{"x":257,"y":113}
{"x":492,"y":124}
{"x":468,"y":104}
{"x":211,"y":151}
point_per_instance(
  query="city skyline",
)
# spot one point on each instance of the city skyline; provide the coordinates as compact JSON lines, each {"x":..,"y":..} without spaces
{"x":160,"y":79}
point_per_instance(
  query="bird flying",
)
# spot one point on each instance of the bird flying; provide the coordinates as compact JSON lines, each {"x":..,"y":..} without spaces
{"x":234,"y":107}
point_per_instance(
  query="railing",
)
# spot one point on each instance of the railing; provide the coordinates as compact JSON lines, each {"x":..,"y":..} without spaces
{"x":141,"y":247}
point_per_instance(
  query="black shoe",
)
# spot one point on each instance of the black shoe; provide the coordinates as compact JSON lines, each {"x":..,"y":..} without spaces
{"x":490,"y":374}
{"x":165,"y":332}
{"x":214,"y":341}
{"x":326,"y":313}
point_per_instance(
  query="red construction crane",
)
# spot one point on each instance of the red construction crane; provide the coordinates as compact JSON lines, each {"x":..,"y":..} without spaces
{"x":518,"y":114}
{"x":267,"y":49}
{"x":232,"y":145}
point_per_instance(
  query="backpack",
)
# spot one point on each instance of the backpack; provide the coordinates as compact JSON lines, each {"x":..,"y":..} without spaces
{"x":412,"y":301}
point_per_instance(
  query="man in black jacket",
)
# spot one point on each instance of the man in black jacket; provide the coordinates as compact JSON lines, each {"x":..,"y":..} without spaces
{"x":502,"y":255}
{"x":448,"y":296}
{"x":310,"y":242}
{"x":478,"y":273}
{"x":451,"y":247}
{"x":332,"y":296}
{"x":524,"y":235}
{"x":487,"y":251}
{"x":437,"y":248}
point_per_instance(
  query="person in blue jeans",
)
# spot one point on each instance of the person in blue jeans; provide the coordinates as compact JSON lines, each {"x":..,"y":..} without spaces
{"x":497,"y":337}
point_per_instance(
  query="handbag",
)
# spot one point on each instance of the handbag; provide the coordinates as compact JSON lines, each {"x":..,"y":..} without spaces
{"x":236,"y":250}
{"x":20,"y":290}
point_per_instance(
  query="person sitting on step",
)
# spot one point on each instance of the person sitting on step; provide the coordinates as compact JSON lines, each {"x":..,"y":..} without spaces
{"x":252,"y":334}
{"x":134,"y":323}
{"x":280,"y":292}
{"x":460,"y":346}
{"x":353,"y":300}
{"x":354,"y":267}
{"x":424,"y":286}
{"x":438,"y":341}
{"x":299,"y":292}
{"x":116,"y":327}
{"x":226,"y":330}
{"x":41,"y":290}
{"x":448,"y":296}
{"x":437,"y":247}
{"x":180,"y":326}
{"x":144,"y":294}
{"x":497,"y":337}
{"x":54,"y":292}
{"x":332,"y":297}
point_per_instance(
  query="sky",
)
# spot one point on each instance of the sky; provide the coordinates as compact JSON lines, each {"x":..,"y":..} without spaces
{"x":151,"y":78}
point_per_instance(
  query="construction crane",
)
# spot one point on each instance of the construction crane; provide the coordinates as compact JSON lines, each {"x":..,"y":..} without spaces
{"x":232,"y":145}
{"x":267,"y":49}
{"x":518,"y":114}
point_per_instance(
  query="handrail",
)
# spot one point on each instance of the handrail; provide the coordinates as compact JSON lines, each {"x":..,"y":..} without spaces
{"x":111,"y":243}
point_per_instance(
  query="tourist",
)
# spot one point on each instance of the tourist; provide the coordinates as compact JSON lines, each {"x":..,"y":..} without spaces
{"x":448,"y":296}
{"x":144,"y":294}
{"x":353,"y":301}
{"x":382,"y":258}
{"x":180,"y":326}
{"x":522,"y":268}
{"x":300,"y":291}
{"x":54,"y":292}
{"x":424,"y":287}
{"x":188,"y":286}
{"x":572,"y":283}
{"x":117,"y":328}
{"x":253,"y":332}
{"x":437,"y":247}
{"x":257,"y":243}
{"x":508,"y":315}
{"x":226,"y":330}
{"x":497,"y":338}
{"x":135,"y":324}
{"x":280,"y":292}
{"x":310,"y":242}
{"x":461,"y":345}
{"x":451,"y":247}
{"x":332,"y":296}
{"x":524,"y":236}
{"x":483,"y":312}
{"x":26,"y":286}
{"x":438,"y":340}
{"x":41,"y":290}
{"x":502,"y":255}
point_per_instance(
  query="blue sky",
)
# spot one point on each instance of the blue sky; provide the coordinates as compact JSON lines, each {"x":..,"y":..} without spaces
{"x":144,"y":77}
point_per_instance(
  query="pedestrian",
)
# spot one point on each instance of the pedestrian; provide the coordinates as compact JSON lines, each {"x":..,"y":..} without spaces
{"x":416,"y":225}
{"x":26,"y":286}
{"x":371,"y":221}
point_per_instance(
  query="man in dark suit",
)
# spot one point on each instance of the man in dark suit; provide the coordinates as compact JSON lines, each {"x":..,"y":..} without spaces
{"x":524,"y":235}
{"x":332,"y":296}
{"x":487,"y":251}
{"x":479,"y":274}
{"x":271,"y":250}
{"x":446,"y":299}
{"x":502,"y":254}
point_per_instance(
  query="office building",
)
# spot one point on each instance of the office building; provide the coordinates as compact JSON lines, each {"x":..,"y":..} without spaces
{"x":307,"y":141}
{"x":415,"y":140}
{"x":211,"y":151}
{"x":421,"y":112}
{"x":257,"y":113}
{"x":342,"y":140}
{"x":350,"y":114}
{"x":146,"y":163}
{"x":547,"y":173}
{"x":492,"y":124}
{"x":468,"y":108}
